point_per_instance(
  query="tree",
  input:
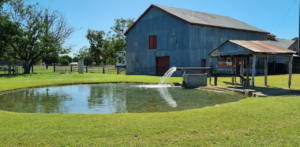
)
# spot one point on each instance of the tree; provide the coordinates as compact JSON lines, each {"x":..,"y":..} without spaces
{"x":96,"y":40}
{"x":83,"y":53}
{"x":8,"y":29}
{"x":42,"y":32}
{"x":118,"y":39}
{"x":121,"y":25}
{"x":66,"y":57}
{"x":52,"y":58}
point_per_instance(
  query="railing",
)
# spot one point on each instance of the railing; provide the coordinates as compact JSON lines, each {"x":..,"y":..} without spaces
{"x":107,"y":69}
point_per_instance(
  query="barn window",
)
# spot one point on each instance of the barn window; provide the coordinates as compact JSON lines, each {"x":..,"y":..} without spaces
{"x":153,"y":42}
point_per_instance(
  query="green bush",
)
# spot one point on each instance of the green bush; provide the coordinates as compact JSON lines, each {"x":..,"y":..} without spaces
{"x":65,"y":62}
{"x":94,"y":63}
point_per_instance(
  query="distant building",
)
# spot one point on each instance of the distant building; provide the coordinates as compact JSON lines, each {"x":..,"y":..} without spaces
{"x":163,"y":37}
{"x":74,"y":63}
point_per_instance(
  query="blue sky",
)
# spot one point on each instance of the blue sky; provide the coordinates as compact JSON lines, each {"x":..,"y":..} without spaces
{"x":279,"y":17}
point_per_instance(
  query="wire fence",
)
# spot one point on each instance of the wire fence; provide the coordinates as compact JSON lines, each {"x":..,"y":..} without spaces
{"x":12,"y":67}
{"x":104,"y":69}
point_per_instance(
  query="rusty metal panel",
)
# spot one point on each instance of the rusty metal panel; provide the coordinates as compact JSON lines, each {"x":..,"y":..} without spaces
{"x":285,"y":43}
{"x":262,"y":47}
{"x":246,"y":48}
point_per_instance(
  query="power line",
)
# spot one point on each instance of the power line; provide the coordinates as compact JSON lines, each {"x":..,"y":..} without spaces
{"x":280,"y":24}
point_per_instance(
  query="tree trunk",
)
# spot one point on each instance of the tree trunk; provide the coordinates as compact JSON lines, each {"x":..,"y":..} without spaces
{"x":27,"y":66}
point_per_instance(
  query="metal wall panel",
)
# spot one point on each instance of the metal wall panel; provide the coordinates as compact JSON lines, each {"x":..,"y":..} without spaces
{"x":185,"y":44}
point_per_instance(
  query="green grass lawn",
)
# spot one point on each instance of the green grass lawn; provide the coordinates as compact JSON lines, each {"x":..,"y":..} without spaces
{"x":271,"y":121}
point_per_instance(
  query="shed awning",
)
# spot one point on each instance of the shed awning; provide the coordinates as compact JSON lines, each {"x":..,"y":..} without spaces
{"x":249,"y":48}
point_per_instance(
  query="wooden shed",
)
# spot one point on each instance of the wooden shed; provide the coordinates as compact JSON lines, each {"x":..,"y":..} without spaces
{"x":246,"y":49}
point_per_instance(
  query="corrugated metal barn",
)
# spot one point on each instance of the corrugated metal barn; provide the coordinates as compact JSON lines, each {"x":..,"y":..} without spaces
{"x":163,"y":37}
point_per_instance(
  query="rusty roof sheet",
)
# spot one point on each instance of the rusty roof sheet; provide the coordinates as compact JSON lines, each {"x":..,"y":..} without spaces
{"x":262,"y":47}
{"x":200,"y":18}
{"x":285,"y":43}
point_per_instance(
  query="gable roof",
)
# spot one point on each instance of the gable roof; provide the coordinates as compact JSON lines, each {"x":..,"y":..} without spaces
{"x":260,"y":47}
{"x":203,"y":19}
{"x":285,"y":43}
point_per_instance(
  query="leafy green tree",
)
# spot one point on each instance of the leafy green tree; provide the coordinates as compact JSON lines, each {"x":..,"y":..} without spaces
{"x":8,"y":29}
{"x":75,"y":59}
{"x":118,"y":41}
{"x":121,"y":25}
{"x":66,"y":57}
{"x":97,"y":42}
{"x":83,"y":53}
{"x":65,"y":62}
{"x":51,"y":58}
{"x":42,"y":32}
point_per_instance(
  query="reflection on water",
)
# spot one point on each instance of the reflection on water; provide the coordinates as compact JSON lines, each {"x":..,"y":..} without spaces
{"x":111,"y":98}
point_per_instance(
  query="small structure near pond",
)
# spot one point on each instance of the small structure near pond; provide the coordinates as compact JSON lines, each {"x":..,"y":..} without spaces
{"x":245,"y":50}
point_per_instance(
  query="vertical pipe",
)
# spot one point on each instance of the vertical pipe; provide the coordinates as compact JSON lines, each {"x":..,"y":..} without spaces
{"x":290,"y":70}
{"x":266,"y":71}
{"x":253,"y":70}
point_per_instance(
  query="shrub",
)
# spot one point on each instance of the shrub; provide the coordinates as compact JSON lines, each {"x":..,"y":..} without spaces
{"x":94,"y":63}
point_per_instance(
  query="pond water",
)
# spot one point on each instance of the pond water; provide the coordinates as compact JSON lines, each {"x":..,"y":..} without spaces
{"x":111,"y":98}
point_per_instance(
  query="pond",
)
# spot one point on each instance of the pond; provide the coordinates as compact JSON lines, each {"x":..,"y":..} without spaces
{"x":111,"y":98}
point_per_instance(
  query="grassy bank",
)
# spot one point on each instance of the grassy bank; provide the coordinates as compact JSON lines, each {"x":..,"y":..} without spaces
{"x":250,"y":122}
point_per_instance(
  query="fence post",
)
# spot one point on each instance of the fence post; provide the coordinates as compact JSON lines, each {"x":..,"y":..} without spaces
{"x":117,"y":70}
{"x":103,"y":70}
{"x":86,"y":69}
{"x":71,"y":68}
{"x":53,"y":66}
{"x":46,"y":66}
{"x":32,"y":69}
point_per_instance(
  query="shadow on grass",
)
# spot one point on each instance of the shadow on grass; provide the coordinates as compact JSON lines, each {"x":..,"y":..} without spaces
{"x":268,"y":90}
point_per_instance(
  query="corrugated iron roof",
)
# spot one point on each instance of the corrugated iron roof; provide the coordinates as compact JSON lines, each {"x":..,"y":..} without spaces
{"x":262,"y":47}
{"x":203,"y":19}
{"x":248,"y":48}
{"x":285,"y":43}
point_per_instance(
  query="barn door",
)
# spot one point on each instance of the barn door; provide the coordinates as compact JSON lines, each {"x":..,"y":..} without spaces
{"x":162,"y":64}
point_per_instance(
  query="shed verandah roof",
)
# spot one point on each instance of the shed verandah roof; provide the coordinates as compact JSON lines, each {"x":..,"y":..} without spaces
{"x":239,"y":48}
{"x":249,"y":48}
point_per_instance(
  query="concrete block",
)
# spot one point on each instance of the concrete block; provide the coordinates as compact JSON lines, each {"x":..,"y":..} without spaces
{"x":194,"y":80}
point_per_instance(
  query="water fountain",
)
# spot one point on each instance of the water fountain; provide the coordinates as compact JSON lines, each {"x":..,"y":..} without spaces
{"x":167,"y":75}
